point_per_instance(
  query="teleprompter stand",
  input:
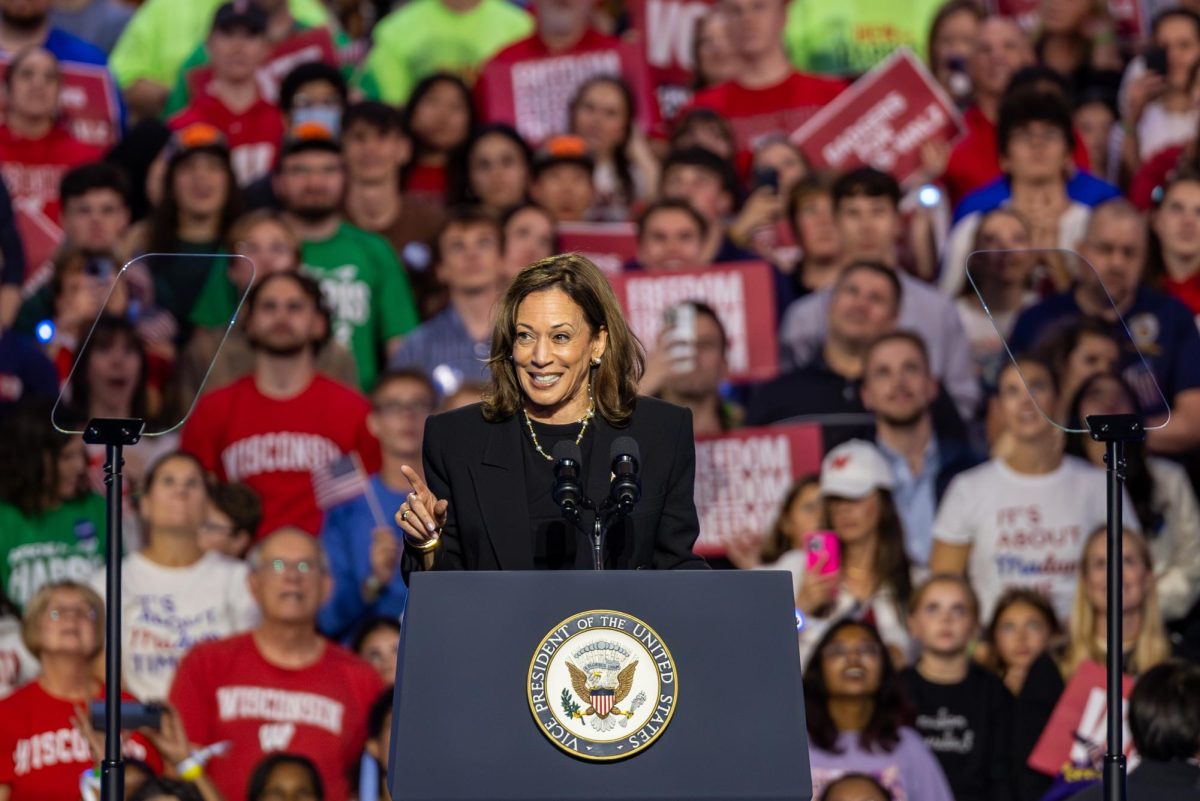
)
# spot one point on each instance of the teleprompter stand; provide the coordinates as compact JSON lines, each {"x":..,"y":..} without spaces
{"x":1114,"y":430}
{"x":114,"y":435}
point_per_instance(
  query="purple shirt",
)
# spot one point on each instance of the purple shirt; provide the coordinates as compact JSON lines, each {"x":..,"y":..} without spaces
{"x":909,"y":771}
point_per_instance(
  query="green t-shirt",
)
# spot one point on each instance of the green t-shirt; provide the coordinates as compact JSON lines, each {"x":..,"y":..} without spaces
{"x":64,"y":543}
{"x":423,"y":37}
{"x":367,"y":291}
{"x":850,"y":37}
{"x":163,"y":33}
{"x":180,"y":95}
{"x":216,"y":302}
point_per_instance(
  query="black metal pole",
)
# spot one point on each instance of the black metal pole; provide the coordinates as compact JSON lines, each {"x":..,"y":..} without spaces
{"x":1114,"y":759}
{"x":114,"y":435}
{"x":1114,"y":430}
{"x":112,"y":770}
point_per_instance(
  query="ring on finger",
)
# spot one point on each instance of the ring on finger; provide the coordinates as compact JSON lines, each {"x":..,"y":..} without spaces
{"x":404,"y":516}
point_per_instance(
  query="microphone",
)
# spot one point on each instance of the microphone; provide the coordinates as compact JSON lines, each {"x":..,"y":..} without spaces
{"x":567,"y":493}
{"x":626,"y":488}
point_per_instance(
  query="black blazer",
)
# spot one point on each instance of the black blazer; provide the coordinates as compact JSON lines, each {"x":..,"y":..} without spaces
{"x":478,"y":467}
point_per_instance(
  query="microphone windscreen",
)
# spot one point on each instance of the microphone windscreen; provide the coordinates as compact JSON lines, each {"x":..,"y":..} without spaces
{"x":566,"y":449}
{"x":625,"y":446}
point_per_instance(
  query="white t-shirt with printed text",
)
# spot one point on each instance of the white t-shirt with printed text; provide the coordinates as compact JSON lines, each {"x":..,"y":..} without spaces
{"x":167,"y":610}
{"x":1025,"y":530}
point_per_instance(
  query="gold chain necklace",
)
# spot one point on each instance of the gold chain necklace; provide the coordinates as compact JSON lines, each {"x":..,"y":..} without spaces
{"x":591,"y":412}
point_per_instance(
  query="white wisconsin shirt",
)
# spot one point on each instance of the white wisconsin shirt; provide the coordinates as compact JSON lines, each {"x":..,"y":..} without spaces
{"x":167,"y":610}
{"x":1025,"y":530}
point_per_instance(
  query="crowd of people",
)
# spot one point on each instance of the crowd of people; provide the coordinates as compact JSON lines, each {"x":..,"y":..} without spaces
{"x":278,"y":230}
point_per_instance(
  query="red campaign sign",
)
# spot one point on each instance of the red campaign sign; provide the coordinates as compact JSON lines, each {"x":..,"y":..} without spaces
{"x":314,"y":44}
{"x":1074,"y":741}
{"x":88,"y":101}
{"x":533,"y":96}
{"x":742,"y":294}
{"x":1125,"y":14}
{"x":607,"y":245}
{"x":667,"y":29}
{"x":40,"y":237}
{"x":881,"y":120}
{"x":741,"y":478}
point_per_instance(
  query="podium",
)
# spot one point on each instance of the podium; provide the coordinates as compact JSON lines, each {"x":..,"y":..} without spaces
{"x":477,"y":713}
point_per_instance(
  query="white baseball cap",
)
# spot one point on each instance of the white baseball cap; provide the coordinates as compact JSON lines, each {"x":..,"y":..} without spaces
{"x":854,"y":469}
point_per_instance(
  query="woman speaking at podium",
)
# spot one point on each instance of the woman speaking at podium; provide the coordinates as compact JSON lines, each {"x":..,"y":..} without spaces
{"x":564,"y":367}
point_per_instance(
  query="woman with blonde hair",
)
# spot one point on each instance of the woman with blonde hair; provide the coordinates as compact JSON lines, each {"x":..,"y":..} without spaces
{"x":1145,"y":637}
{"x":564,"y":368}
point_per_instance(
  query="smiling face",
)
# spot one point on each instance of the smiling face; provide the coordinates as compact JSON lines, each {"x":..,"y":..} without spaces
{"x":852,"y":664}
{"x":553,"y":347}
{"x":863,"y":306}
{"x":944,"y":620}
{"x":897,"y":384}
{"x":1021,"y":635}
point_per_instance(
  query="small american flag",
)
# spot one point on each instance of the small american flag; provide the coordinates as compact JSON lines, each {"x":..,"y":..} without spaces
{"x":339,"y":481}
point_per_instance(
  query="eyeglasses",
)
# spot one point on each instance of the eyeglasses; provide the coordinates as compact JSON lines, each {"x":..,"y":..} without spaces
{"x":404,"y":407}
{"x":866,"y":650}
{"x":57,"y":613}
{"x":281,"y":566}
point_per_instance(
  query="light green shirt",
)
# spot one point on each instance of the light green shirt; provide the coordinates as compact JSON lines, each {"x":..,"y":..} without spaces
{"x":163,"y":33}
{"x":181,"y":95}
{"x":851,"y":36}
{"x":424,"y":37}
{"x":64,"y":543}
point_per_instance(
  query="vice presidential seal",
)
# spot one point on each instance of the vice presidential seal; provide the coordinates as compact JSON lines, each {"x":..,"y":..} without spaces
{"x":602,"y":685}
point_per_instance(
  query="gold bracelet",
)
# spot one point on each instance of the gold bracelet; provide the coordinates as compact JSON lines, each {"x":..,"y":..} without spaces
{"x":426,"y":546}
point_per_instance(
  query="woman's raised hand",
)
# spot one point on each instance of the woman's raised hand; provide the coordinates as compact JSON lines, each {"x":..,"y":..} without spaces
{"x":422,"y":515}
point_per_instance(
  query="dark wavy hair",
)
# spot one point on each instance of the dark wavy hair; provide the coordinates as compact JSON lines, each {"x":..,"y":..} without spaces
{"x":29,"y":451}
{"x":164,"y":221}
{"x":1011,"y":597}
{"x":614,"y":382}
{"x":620,"y":154}
{"x":463,"y":192}
{"x":1138,"y":479}
{"x":891,"y":567}
{"x":890,"y":710}
{"x":456,"y":159}
{"x":262,"y":772}
{"x":110,"y":331}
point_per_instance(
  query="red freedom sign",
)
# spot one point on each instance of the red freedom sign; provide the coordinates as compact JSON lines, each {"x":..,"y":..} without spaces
{"x":881,"y":120}
{"x":608,"y":245}
{"x":89,"y":102}
{"x":314,"y":44}
{"x":741,"y":477}
{"x":533,"y":96}
{"x":667,"y":29}
{"x":1074,"y":741}
{"x":742,"y":294}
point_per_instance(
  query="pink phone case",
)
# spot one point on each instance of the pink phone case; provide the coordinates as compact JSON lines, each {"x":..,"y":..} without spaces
{"x":818,"y":542}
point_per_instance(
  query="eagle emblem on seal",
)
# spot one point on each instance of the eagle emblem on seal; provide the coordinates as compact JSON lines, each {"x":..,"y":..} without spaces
{"x":602,"y":677}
